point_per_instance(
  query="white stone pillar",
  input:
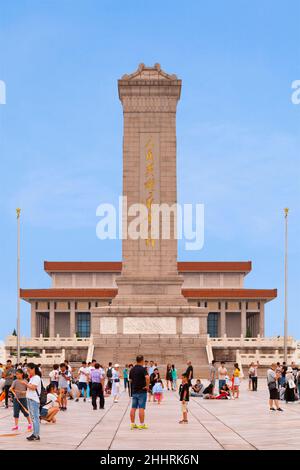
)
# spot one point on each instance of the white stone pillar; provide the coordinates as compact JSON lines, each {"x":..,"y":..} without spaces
{"x":51,"y":320}
{"x":72,"y":319}
{"x":33,"y":320}
{"x":222,"y":319}
{"x":243,"y":319}
{"x":262,"y":319}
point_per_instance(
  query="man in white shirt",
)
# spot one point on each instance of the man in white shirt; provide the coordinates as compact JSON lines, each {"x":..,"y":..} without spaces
{"x":83,"y":379}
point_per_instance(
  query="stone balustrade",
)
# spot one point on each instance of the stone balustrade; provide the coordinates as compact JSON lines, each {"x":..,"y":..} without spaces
{"x":43,"y":358}
{"x":44,"y":342}
{"x":240,"y":342}
{"x":263,"y":359}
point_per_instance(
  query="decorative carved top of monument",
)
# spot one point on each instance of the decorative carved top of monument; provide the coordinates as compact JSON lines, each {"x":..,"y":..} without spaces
{"x":151,"y":83}
{"x":149,"y":73}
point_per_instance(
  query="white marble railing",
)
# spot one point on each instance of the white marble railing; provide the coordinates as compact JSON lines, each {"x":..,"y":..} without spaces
{"x":2,"y":352}
{"x":209,"y":352}
{"x":43,"y":342}
{"x":239,"y":342}
{"x":263,"y":359}
{"x":44,"y":358}
{"x":90,"y":353}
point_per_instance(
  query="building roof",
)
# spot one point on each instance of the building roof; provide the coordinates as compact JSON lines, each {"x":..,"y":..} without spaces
{"x":77,"y":293}
{"x":262,"y":294}
{"x":116,"y":266}
{"x":68,"y":293}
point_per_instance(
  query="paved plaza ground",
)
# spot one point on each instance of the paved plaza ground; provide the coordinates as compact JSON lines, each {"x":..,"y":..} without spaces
{"x":245,"y":423}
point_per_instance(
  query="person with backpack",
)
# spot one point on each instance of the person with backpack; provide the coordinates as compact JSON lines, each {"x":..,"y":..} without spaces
{"x":33,"y":395}
{"x":109,"y":373}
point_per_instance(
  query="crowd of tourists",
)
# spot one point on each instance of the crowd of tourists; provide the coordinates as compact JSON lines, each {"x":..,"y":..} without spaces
{"x":22,"y":386}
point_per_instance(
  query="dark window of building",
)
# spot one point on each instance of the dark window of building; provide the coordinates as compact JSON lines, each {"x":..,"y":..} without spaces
{"x":240,"y":305}
{"x":226,"y":305}
{"x":54,"y":305}
{"x":213,"y":324}
{"x":48,"y":305}
{"x":219,"y":305}
{"x":205,"y":304}
{"x":69,"y":305}
{"x":199,"y":304}
{"x":83,"y":324}
{"x":246,"y":305}
{"x":258,"y":305}
{"x":36,"y":305}
{"x":96,"y":304}
{"x":89,"y":305}
{"x":109,"y":302}
{"x":75,"y":305}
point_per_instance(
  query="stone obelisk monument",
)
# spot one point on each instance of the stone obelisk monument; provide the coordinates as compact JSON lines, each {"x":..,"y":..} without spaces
{"x":149,"y":300}
{"x":149,"y":98}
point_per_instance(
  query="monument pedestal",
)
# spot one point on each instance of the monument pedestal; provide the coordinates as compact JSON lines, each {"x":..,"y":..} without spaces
{"x":164,"y":334}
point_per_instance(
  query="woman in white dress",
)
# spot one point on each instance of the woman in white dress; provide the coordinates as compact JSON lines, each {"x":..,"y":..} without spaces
{"x":115,"y":383}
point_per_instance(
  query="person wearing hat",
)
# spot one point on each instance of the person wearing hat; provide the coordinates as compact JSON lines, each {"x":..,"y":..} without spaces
{"x":289,"y":394}
{"x":115,"y":383}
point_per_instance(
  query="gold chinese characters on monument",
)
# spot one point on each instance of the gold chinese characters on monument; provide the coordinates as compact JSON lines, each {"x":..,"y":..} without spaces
{"x":150,"y":186}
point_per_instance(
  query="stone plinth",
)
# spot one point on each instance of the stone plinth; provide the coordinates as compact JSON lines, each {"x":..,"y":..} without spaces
{"x":149,"y":320}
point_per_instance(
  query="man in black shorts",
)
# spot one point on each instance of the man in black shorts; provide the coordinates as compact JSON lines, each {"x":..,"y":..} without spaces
{"x":139,"y":381}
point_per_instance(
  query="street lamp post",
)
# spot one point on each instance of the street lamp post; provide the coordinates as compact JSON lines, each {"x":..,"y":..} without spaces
{"x":18,"y":211}
{"x":286,"y":212}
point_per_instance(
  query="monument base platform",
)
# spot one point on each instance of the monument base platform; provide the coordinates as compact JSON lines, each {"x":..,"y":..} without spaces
{"x":164,"y":334}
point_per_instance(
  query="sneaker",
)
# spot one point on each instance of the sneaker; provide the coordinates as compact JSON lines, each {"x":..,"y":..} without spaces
{"x":77,"y":399}
{"x":15,"y":428}
{"x":279,"y":409}
{"x":272,"y":409}
{"x":84,"y":399}
{"x":33,"y":438}
{"x":133,"y":426}
{"x":143,"y":426}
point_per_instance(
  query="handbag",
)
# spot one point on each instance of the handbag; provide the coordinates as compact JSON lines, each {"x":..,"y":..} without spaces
{"x":291,"y":383}
{"x":272,"y":385}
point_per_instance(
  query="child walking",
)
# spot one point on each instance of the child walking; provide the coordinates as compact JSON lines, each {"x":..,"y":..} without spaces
{"x":18,"y":390}
{"x":184,"y":392}
{"x":157,"y":390}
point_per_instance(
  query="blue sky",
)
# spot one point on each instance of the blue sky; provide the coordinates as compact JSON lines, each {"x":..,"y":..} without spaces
{"x":61,"y":131}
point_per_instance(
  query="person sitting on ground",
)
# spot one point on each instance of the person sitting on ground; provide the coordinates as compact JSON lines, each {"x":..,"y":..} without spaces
{"x":197,"y":389}
{"x":51,"y":408}
{"x":208,"y":392}
{"x":224,"y":394}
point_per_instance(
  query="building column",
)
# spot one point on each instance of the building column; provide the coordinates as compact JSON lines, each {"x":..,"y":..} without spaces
{"x":222,"y":319}
{"x":51,"y":320}
{"x":33,"y":320}
{"x":262,"y":319}
{"x":244,"y":319}
{"x":72,"y":319}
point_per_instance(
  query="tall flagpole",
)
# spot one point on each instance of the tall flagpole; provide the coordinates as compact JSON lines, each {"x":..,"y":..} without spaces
{"x":18,"y":211}
{"x":286,"y":211}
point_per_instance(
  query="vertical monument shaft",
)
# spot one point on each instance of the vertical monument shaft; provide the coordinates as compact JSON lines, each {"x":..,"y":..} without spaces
{"x":149,"y":98}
